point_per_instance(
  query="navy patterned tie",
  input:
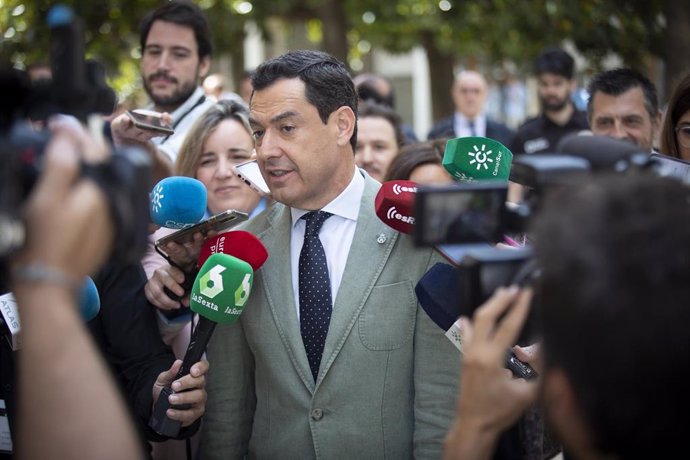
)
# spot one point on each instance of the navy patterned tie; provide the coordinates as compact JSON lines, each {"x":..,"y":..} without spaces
{"x":315,"y":304}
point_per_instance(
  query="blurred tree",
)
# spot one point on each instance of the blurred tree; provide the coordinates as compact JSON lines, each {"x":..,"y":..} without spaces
{"x":469,"y":33}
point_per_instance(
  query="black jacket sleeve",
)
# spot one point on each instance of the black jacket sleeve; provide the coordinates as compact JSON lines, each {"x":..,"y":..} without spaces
{"x":127,"y":333}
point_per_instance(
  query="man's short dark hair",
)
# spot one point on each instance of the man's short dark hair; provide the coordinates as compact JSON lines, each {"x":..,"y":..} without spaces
{"x":371,"y":109}
{"x":328,"y":85}
{"x":556,"y":61}
{"x":183,"y":13}
{"x":618,"y":81}
{"x":615,"y":258}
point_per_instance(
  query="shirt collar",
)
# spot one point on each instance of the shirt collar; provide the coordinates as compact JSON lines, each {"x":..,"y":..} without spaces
{"x":345,"y":205}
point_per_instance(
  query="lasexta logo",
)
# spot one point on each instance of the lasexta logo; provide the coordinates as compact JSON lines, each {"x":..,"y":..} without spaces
{"x":211,"y":283}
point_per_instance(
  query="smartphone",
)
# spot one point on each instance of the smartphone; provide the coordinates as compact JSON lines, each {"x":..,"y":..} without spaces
{"x":218,"y":223}
{"x":149,"y":120}
{"x":460,"y":214}
{"x":673,"y":167}
{"x":250,"y":174}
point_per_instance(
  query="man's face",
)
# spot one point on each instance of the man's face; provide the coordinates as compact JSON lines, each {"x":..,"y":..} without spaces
{"x":376,"y":146}
{"x":469,"y":94}
{"x":554,"y":91}
{"x":624,"y":117}
{"x":305,"y":162}
{"x":170,"y":65}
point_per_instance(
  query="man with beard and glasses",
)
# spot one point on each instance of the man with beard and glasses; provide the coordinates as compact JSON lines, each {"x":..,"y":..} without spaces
{"x":175,"y":57}
{"x":555,"y":84}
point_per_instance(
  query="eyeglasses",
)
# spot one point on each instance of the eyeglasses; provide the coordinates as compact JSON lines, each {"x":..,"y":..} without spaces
{"x":683,"y":135}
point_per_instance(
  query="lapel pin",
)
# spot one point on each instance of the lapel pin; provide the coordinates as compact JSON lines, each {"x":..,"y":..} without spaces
{"x":381,"y":239}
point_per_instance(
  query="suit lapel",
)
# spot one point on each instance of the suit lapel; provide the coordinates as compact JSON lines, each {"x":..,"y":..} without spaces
{"x":277,"y":285}
{"x":371,"y":246}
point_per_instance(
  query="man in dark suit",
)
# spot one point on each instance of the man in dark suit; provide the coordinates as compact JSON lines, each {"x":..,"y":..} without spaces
{"x":469,"y":96}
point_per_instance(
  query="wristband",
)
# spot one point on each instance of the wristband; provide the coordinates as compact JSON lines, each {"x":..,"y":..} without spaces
{"x":40,"y":273}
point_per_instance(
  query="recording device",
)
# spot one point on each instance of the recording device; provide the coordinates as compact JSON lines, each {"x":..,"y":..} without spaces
{"x":79,"y":89}
{"x":461,"y":213}
{"x":441,"y":297}
{"x":178,"y":202}
{"x":470,"y":159}
{"x":219,"y":295}
{"x":150,"y":121}
{"x":394,"y":205}
{"x":250,"y":174}
{"x":10,"y":325}
{"x":238,"y":243}
{"x":218,"y":223}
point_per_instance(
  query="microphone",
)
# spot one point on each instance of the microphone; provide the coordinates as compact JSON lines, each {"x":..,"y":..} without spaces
{"x":438,"y":294}
{"x":470,"y":159}
{"x":10,"y":324}
{"x":237,"y":243}
{"x":394,"y":205}
{"x":219,"y":294}
{"x":601,"y":152}
{"x":178,"y":202}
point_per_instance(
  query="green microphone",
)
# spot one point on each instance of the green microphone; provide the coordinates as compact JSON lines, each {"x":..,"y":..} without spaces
{"x":219,"y":294}
{"x":471,"y":159}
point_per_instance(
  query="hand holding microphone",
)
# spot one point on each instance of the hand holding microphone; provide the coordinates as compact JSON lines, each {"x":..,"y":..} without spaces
{"x":219,"y":294}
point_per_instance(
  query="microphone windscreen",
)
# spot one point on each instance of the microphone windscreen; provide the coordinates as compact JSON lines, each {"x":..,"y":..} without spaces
{"x":237,"y":243}
{"x":602,"y":152}
{"x":178,"y":202}
{"x":89,"y":300}
{"x":221,"y":288}
{"x":394,"y":204}
{"x":437,"y":293}
{"x":469,"y":159}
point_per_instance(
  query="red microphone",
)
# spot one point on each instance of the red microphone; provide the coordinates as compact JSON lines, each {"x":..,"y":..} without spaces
{"x":394,"y":204}
{"x":237,"y":243}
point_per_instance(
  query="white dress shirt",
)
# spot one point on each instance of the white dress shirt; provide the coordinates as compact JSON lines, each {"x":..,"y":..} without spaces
{"x":461,"y":125}
{"x":336,"y":234}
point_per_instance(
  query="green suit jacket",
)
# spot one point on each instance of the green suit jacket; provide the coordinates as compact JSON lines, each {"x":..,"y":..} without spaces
{"x":388,"y":377}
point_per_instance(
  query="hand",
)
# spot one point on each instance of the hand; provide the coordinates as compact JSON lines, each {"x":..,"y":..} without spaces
{"x":166,"y":277}
{"x":125,"y":133}
{"x":189,"y":389}
{"x":531,"y":355}
{"x":186,"y":255}
{"x":490,"y":399}
{"x":68,"y":223}
{"x":489,"y":396}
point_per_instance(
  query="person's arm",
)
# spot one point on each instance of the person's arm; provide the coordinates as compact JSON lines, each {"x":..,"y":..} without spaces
{"x":490,"y":399}
{"x":127,"y":332}
{"x":67,"y":397}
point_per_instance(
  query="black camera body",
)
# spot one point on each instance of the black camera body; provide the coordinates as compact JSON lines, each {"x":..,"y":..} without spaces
{"x":78,"y":89}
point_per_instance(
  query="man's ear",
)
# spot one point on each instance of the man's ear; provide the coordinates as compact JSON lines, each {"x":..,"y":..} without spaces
{"x":204,"y":66}
{"x":345,"y":122}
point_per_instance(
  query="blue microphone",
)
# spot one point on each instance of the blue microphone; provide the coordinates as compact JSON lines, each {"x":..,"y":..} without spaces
{"x":178,"y":202}
{"x":89,"y":300}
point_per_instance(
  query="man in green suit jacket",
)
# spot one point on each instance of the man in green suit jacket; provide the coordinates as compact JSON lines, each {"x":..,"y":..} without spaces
{"x":383,"y":383}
